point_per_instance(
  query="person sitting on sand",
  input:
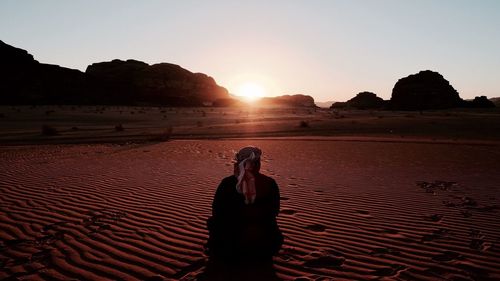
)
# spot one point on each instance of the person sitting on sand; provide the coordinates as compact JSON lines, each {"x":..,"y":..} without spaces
{"x":243,"y":224}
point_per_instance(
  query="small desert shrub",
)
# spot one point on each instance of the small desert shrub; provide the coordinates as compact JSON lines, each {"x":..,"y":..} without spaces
{"x":199,"y":124}
{"x":75,"y":128}
{"x":304,"y":124}
{"x":119,"y":128}
{"x":49,"y":131}
{"x":49,"y":112}
{"x":203,"y":113}
{"x":2,"y":115}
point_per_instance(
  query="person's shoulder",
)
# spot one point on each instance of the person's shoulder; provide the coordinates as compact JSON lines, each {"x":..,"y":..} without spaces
{"x":267,"y":179}
{"x":230,"y":181}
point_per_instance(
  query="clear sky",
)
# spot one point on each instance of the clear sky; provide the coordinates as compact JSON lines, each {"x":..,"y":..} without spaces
{"x":329,"y":49}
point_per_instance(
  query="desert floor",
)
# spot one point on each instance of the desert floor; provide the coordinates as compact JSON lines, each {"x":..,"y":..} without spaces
{"x":120,"y":124}
{"x":350,"y":210}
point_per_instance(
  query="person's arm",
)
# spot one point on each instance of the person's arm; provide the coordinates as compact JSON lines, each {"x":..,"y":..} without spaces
{"x":218,"y":204}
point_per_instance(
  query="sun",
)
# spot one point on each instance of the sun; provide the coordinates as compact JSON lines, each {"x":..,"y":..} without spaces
{"x":251,"y":91}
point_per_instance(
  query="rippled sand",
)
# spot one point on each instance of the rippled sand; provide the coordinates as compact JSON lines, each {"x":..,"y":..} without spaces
{"x":349,"y":210}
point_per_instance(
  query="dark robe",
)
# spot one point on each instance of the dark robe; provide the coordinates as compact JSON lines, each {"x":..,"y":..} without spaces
{"x":240,"y":231}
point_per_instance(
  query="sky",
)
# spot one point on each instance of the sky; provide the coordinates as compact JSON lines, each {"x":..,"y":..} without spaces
{"x":329,"y":49}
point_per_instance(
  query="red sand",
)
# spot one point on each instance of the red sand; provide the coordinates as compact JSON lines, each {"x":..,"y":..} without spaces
{"x":350,"y":210}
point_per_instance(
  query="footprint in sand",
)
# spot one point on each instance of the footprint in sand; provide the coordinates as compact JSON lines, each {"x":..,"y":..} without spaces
{"x":42,"y":256}
{"x":364,"y":214}
{"x":434,"y":218}
{"x":284,"y":198}
{"x":436,"y":234}
{"x":316,"y":227}
{"x":327,"y":261}
{"x":477,"y":242}
{"x":447,"y":256}
{"x":394,"y":270}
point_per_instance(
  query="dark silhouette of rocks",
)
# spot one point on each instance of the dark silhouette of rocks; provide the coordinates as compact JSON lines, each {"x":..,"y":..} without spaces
{"x":363,"y":100}
{"x":424,"y":90}
{"x":23,"y":80}
{"x":288,"y":101}
{"x":339,"y":105}
{"x":136,"y":82}
{"x":481,"y":102}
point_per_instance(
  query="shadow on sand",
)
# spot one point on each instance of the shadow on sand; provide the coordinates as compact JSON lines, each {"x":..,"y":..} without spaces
{"x":238,"y":270}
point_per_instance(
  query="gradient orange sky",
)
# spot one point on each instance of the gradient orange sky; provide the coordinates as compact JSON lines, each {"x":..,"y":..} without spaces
{"x":328,"y":49}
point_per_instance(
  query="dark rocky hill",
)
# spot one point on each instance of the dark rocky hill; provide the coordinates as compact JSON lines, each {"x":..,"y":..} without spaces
{"x":424,"y":90}
{"x":137,"y":82}
{"x":363,"y":100}
{"x":288,"y":101}
{"x":23,"y":80}
{"x":481,"y":102}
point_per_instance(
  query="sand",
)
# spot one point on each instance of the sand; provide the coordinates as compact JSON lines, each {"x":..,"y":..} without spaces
{"x":350,"y":210}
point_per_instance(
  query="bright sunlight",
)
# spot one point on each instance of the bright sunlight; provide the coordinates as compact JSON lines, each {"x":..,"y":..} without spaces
{"x":251,"y":91}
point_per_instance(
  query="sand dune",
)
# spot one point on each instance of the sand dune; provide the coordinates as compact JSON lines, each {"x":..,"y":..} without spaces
{"x":349,"y":210}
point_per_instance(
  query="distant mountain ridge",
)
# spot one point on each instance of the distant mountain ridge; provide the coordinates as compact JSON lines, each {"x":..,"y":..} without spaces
{"x":324,"y":104}
{"x":297,"y":100}
{"x":23,"y":80}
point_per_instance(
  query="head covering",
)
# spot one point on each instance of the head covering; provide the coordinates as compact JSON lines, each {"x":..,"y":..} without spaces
{"x":247,"y":161}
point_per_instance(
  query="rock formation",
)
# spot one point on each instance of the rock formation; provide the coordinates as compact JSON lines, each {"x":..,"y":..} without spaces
{"x":288,"y":101}
{"x":424,"y":90}
{"x":363,"y":100}
{"x":24,"y":80}
{"x":137,"y":82}
{"x":481,"y":102}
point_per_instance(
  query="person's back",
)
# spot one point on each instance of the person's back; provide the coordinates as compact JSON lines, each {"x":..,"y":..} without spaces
{"x":243,"y":224}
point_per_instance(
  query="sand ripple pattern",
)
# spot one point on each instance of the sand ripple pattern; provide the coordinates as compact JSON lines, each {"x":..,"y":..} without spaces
{"x":349,"y":211}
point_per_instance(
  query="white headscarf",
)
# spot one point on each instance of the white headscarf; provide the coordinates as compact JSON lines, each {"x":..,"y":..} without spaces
{"x":247,"y":158}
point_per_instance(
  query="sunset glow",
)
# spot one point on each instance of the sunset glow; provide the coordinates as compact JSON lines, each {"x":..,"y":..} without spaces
{"x":251,"y":91}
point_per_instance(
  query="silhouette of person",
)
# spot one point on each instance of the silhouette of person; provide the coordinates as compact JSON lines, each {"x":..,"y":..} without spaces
{"x":243,"y":231}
